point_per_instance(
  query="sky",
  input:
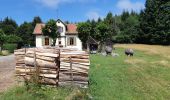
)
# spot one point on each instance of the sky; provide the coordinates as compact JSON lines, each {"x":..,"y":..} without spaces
{"x":71,"y":10}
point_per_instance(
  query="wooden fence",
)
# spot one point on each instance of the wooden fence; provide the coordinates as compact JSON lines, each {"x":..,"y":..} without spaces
{"x":53,"y":66}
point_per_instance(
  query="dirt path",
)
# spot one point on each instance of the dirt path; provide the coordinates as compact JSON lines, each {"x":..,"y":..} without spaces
{"x":7,"y":67}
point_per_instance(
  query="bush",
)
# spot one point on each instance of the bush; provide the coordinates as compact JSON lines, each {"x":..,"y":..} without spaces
{"x":10,"y":47}
{"x":13,"y":39}
{"x":0,"y":53}
{"x":5,"y":52}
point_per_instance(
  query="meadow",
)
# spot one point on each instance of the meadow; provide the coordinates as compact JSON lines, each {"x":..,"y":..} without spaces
{"x":146,"y":76}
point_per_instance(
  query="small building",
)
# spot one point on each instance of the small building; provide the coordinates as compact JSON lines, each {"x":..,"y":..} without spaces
{"x":92,"y":45}
{"x":68,"y":36}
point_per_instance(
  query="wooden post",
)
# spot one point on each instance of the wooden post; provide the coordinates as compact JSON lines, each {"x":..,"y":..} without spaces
{"x":88,"y":48}
{"x":36,"y":68}
{"x":71,"y":76}
{"x":58,"y":67}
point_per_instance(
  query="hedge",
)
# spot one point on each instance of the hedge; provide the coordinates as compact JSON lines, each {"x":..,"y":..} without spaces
{"x":10,"y":47}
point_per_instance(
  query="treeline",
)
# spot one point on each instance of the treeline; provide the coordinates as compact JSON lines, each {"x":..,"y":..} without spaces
{"x":150,"y":26}
{"x":14,"y":36}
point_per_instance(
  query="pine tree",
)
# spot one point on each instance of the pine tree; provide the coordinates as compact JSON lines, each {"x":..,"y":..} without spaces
{"x":111,"y":23}
{"x":154,"y":22}
{"x":8,"y":26}
{"x":36,"y":20}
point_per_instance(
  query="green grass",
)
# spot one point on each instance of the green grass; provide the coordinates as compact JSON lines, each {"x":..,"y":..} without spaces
{"x":125,"y":78}
{"x":142,"y":77}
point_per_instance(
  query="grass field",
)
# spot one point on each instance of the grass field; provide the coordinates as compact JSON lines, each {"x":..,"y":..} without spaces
{"x":146,"y":76}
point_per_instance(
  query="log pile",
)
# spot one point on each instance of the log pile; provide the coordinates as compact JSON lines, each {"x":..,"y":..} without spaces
{"x":74,"y":66}
{"x":53,"y":66}
{"x":45,"y":64}
{"x":20,"y":64}
{"x":34,"y":62}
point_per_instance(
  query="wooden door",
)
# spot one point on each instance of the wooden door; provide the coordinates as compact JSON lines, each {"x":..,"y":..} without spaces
{"x":46,"y":41}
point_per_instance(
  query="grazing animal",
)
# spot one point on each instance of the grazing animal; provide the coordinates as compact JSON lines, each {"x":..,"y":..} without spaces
{"x":129,"y":52}
{"x":108,"y":50}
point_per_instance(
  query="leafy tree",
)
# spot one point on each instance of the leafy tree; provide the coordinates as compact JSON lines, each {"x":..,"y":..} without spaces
{"x":111,"y":23}
{"x":25,"y":31}
{"x":103,"y":34}
{"x":93,"y":24}
{"x":84,"y":30}
{"x":51,"y":30}
{"x":2,"y":39}
{"x":13,"y":39}
{"x":9,"y":29}
{"x":129,"y":27}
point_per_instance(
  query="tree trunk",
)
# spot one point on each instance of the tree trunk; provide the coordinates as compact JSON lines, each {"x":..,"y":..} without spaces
{"x":1,"y":45}
{"x":54,"y":41}
{"x":101,"y":47}
{"x":88,"y":47}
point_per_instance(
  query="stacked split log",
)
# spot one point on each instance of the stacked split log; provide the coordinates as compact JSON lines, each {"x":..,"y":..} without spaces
{"x":74,"y":68}
{"x":53,"y":66}
{"x":20,"y":64}
{"x":44,"y":63}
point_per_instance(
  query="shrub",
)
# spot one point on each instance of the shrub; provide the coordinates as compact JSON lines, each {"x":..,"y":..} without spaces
{"x":10,"y":47}
{"x":13,"y":39}
{"x":5,"y":52}
{"x":0,"y":53}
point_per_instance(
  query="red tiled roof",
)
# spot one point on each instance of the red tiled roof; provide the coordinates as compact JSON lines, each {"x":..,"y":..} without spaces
{"x":38,"y":29}
{"x":71,"y":29}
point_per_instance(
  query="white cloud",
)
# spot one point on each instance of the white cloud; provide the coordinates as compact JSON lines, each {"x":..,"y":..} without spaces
{"x":129,"y":5}
{"x":56,"y":3}
{"x":51,"y":3}
{"x":93,"y":15}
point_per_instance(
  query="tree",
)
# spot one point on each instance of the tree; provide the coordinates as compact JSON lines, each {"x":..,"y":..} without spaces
{"x":25,"y":31}
{"x":9,"y":21}
{"x":129,"y":26}
{"x":124,"y":15}
{"x":93,"y":24}
{"x":13,"y":39}
{"x":111,"y":23}
{"x":99,"y":20}
{"x":2,"y":39}
{"x":154,"y":22}
{"x":67,"y":22}
{"x":9,"y":26}
{"x":51,"y":30}
{"x":103,"y":34}
{"x":84,"y":30}
{"x":36,"y":20}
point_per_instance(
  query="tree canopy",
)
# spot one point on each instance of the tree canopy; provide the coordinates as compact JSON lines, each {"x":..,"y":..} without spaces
{"x":2,"y":37}
{"x":84,"y":30}
{"x":155,"y":23}
{"x":36,"y":20}
{"x":51,"y":30}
